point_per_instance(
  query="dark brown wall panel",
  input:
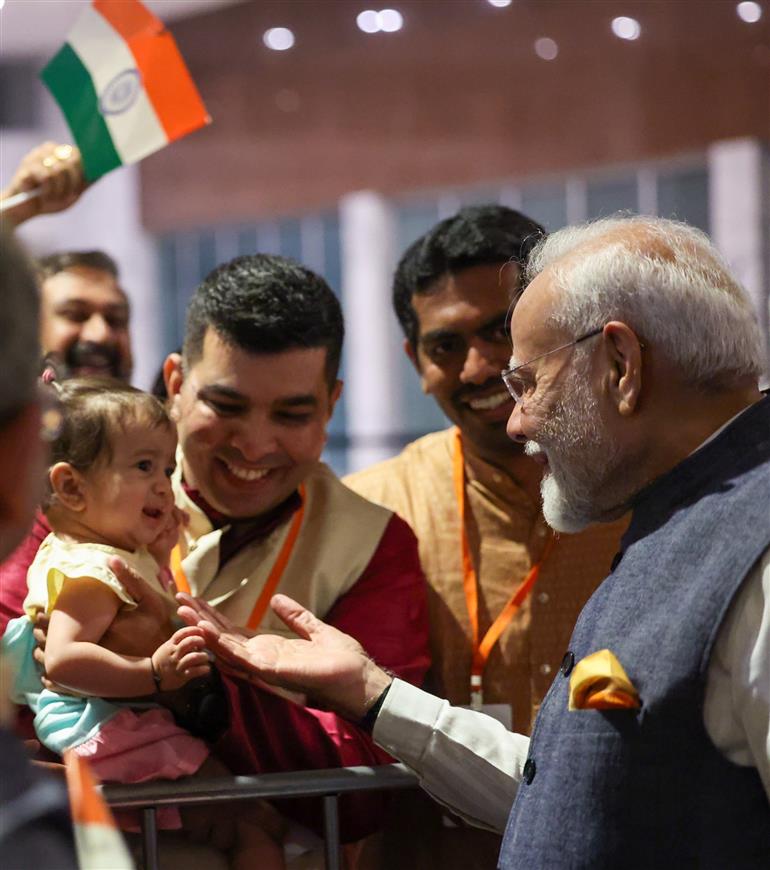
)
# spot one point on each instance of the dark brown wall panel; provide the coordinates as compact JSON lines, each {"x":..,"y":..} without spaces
{"x":458,"y":96}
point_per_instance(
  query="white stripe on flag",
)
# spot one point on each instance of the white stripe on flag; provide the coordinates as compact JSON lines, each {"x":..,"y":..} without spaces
{"x":137,"y":131}
{"x":100,"y":847}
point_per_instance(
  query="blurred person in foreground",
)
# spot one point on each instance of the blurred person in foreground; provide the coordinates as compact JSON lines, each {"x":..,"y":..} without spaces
{"x":35,"y":829}
{"x":452,"y":293}
{"x":636,"y":358}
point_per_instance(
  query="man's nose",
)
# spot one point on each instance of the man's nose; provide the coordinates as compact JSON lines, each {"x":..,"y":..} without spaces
{"x":513,"y":426}
{"x":96,"y":329}
{"x":482,"y":362}
{"x":253,"y":439}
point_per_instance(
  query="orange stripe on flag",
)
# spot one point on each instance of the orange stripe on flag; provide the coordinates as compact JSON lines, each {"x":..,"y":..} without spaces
{"x":86,"y":804}
{"x":128,"y":17}
{"x":168,"y":84}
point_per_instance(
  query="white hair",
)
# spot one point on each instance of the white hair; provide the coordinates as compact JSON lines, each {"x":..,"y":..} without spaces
{"x":663,"y":278}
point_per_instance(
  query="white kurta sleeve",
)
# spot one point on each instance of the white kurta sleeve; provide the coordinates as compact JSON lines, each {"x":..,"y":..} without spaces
{"x":736,"y":710}
{"x":466,"y":760}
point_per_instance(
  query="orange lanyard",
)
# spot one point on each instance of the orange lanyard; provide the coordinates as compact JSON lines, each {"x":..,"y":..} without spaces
{"x":274,"y":578}
{"x":483,"y":647}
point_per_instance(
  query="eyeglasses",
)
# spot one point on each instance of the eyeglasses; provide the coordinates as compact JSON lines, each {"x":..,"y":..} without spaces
{"x":518,"y":386}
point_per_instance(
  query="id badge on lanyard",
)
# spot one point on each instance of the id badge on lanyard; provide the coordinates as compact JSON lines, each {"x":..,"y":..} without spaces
{"x":481,"y":647}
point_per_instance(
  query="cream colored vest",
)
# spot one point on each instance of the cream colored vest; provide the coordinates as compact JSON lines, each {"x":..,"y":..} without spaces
{"x":340,"y":533}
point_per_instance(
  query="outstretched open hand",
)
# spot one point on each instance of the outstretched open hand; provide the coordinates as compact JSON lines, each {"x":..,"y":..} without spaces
{"x":321,"y":661}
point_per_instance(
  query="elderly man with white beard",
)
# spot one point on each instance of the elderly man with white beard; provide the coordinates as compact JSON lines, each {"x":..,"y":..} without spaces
{"x":636,"y":358}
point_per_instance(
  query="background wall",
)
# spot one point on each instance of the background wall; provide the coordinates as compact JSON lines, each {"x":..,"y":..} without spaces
{"x":457,"y":96}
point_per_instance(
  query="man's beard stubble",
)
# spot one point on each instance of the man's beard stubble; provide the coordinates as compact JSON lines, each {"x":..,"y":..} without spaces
{"x":87,"y":354}
{"x":582,"y":457}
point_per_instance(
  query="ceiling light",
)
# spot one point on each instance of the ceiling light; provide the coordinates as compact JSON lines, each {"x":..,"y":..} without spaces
{"x":278,"y":38}
{"x":626,"y":28}
{"x":368,"y":21}
{"x":749,"y":11}
{"x":386,"y":20}
{"x":546,"y":48}
{"x":390,"y":20}
{"x":500,"y":4}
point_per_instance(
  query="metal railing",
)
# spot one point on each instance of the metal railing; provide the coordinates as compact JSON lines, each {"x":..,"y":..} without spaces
{"x":326,"y":784}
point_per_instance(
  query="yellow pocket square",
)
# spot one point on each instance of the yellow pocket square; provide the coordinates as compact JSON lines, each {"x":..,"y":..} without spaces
{"x":598,"y":682}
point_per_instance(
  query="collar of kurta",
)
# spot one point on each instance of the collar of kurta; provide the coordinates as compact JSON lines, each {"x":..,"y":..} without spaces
{"x":238,"y":533}
{"x":497,"y":481}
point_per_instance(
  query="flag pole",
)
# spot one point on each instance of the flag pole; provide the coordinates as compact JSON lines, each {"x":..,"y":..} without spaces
{"x":19,"y":198}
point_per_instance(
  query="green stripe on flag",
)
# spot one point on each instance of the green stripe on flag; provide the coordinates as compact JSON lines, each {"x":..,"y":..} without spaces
{"x":69,"y":82}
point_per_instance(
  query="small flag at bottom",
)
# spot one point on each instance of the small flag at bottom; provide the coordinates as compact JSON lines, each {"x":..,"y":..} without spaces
{"x":122,"y":86}
{"x":98,"y":840}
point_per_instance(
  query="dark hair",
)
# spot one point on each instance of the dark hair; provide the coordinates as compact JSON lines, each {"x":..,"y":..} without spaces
{"x":52,"y":264}
{"x":266,"y":304}
{"x":475,"y":236}
{"x":94,"y":410}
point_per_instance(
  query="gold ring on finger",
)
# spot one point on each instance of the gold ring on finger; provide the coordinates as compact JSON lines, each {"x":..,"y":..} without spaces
{"x":63,"y":152}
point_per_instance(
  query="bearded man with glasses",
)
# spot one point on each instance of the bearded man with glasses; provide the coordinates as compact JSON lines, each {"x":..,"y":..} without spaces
{"x":652,"y":747}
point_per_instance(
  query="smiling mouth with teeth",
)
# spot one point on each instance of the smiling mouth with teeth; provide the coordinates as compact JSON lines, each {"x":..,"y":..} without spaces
{"x":247,"y":474}
{"x":487,"y":403}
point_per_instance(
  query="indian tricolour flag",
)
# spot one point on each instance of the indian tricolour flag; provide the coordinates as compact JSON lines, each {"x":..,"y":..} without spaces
{"x":98,"y":840}
{"x":122,"y":85}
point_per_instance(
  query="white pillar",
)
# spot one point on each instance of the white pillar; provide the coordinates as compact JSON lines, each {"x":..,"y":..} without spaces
{"x":372,"y":340}
{"x":739,"y":210}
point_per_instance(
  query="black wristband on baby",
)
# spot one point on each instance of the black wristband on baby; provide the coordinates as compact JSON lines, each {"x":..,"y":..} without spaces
{"x":366,"y":723}
{"x":156,"y":677}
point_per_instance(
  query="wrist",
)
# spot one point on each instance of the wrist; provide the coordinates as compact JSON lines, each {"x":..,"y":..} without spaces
{"x":366,"y":722}
{"x":375,"y":683}
{"x":156,"y":677}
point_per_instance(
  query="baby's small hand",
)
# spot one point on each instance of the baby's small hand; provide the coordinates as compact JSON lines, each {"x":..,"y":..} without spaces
{"x":168,"y":537}
{"x":180,"y":659}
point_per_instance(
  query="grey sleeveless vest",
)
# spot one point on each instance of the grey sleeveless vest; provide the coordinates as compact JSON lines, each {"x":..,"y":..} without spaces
{"x":647,"y":788}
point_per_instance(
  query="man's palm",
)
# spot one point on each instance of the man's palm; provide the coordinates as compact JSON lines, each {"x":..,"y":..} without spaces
{"x":321,"y":661}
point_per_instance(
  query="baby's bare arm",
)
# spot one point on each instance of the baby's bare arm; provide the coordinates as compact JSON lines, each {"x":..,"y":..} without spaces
{"x":141,"y":630}
{"x":74,"y":657}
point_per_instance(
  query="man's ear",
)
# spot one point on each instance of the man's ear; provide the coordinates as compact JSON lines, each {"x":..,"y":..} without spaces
{"x":623,"y":356}
{"x":68,"y":486}
{"x":173,"y":376}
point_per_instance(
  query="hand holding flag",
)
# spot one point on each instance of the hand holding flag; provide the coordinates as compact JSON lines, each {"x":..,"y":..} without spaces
{"x":122,"y":86}
{"x":49,"y":179}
